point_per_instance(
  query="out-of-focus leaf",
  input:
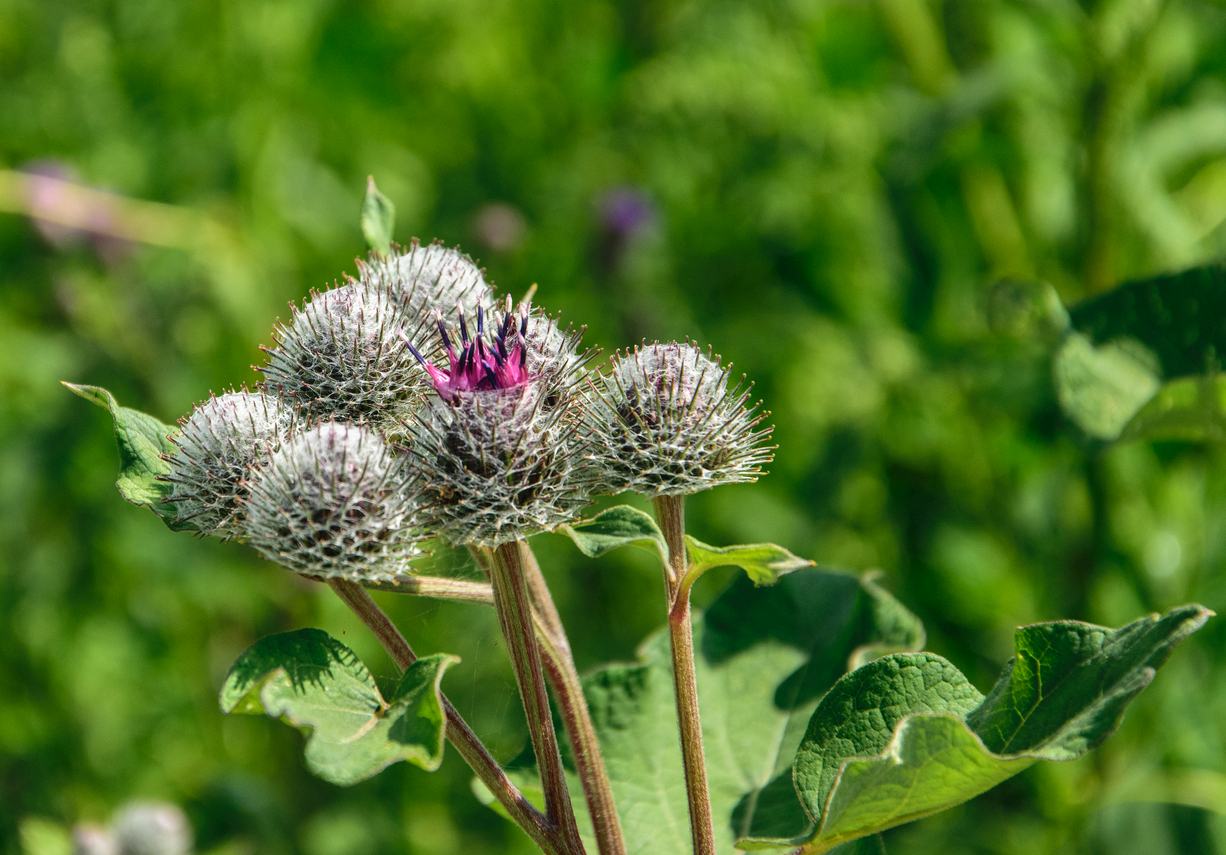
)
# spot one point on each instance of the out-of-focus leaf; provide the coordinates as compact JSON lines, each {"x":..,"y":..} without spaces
{"x":378,"y":219}
{"x":611,"y":529}
{"x":1026,"y":308}
{"x":142,"y":441}
{"x":1125,"y":347}
{"x":907,"y":735}
{"x":313,"y":682}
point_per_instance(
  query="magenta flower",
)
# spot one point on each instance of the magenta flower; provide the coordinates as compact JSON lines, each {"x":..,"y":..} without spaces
{"x":499,"y":454}
{"x":480,"y":365}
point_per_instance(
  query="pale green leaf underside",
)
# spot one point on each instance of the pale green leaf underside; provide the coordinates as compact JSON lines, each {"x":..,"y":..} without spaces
{"x":764,"y":658}
{"x":378,"y":219}
{"x":907,"y":736}
{"x":1142,"y":360}
{"x":311,"y":681}
{"x":142,"y":441}
{"x":764,"y":563}
{"x":614,"y":528}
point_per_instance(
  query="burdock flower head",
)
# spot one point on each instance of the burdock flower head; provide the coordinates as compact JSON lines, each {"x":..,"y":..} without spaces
{"x":214,"y":451}
{"x":671,"y":421}
{"x":340,"y":357}
{"x":334,"y":502}
{"x":498,"y":449}
{"x":425,"y":279}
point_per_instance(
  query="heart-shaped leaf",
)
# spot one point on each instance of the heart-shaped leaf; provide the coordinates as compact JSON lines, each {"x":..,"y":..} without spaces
{"x":142,"y":441}
{"x":907,"y":735}
{"x":313,"y":682}
{"x":616,"y":527}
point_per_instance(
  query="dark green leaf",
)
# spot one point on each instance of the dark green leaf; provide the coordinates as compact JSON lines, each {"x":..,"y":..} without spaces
{"x":378,"y":219}
{"x":907,"y":735}
{"x":142,"y":441}
{"x":313,"y":682}
{"x":618,"y":526}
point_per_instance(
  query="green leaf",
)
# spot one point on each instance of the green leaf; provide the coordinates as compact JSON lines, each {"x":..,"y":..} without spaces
{"x":378,"y":219}
{"x":764,"y":658}
{"x":907,"y":735}
{"x":313,"y":682}
{"x":764,"y":563}
{"x":1103,"y":387}
{"x":1128,"y":345}
{"x":143,"y":440}
{"x":611,"y":529}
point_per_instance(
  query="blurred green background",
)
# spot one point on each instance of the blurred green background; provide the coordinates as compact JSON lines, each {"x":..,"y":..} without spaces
{"x":822,"y":190}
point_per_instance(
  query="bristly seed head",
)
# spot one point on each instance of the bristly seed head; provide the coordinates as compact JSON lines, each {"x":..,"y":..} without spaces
{"x":335,"y":502}
{"x":214,"y":452}
{"x":669,"y":422}
{"x":498,"y":452}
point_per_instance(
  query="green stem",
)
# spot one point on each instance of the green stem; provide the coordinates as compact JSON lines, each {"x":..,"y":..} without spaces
{"x":466,"y":742}
{"x":563,"y":678}
{"x":670,"y":512}
{"x":514,"y":605}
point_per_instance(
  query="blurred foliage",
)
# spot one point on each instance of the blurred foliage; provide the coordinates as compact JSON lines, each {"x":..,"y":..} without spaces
{"x":823,"y":190}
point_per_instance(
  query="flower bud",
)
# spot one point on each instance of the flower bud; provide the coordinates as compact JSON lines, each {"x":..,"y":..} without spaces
{"x":498,"y":452}
{"x":669,"y":422}
{"x":426,"y":279}
{"x":152,"y":828}
{"x":333,"y":501}
{"x":214,"y":452}
{"x":341,"y":357}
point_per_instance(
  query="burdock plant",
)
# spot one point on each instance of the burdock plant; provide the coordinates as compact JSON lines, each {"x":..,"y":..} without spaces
{"x":410,"y":406}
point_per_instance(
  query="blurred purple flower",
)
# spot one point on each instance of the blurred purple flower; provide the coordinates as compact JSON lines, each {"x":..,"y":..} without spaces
{"x":624,"y":214}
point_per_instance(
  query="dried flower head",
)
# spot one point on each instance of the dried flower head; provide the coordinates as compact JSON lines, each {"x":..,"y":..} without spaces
{"x":214,"y":452}
{"x":333,"y":502}
{"x":341,"y":357}
{"x":498,"y":451}
{"x":425,"y":279}
{"x":670,"y":422}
